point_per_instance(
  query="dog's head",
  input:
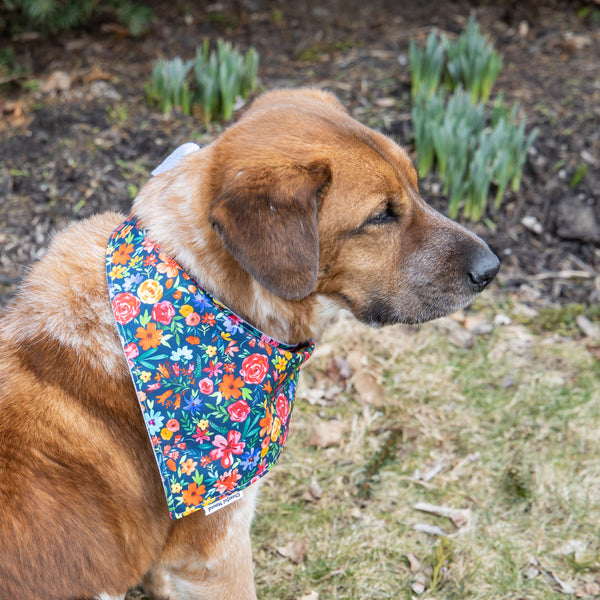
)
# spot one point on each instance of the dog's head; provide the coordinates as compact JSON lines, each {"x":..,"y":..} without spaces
{"x":309,"y":201}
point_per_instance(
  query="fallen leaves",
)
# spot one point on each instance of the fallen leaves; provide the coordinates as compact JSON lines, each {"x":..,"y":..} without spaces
{"x":294,"y":550}
{"x":327,"y":433}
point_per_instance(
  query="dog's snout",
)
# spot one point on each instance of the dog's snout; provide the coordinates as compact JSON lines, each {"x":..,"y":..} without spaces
{"x":483,"y":268}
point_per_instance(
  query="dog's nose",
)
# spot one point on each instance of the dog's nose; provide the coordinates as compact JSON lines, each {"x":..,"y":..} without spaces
{"x":483,"y":269}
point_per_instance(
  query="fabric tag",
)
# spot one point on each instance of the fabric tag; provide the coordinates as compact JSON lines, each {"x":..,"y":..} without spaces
{"x":215,"y":506}
{"x":175,"y":157}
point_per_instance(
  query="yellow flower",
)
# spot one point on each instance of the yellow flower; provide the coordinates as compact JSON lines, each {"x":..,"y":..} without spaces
{"x":166,"y":434}
{"x":176,"y":488}
{"x":185,"y":310}
{"x":203,"y":424}
{"x":150,"y":291}
{"x":134,"y":261}
{"x":280,"y":363}
{"x":211,"y":350}
{"x":145,"y":376}
{"x":276,"y":429}
{"x":118,"y":272}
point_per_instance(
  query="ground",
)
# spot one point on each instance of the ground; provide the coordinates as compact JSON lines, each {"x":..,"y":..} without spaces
{"x":491,"y":416}
{"x":77,"y":136}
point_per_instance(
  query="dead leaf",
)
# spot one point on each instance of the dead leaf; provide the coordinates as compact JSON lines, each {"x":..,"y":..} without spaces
{"x":311,"y":596}
{"x":338,"y":370}
{"x":413,"y":562}
{"x":58,"y":81}
{"x":294,"y":550}
{"x":314,"y":489}
{"x":429,"y":529}
{"x":590,"y":589}
{"x":327,"y":433}
{"x":459,"y":516}
{"x":97,"y":74}
{"x":368,"y":389}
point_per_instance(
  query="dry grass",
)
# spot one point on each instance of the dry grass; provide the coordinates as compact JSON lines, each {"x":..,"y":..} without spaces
{"x":507,"y":429}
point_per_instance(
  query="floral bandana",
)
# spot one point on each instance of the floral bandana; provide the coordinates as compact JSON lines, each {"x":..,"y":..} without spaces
{"x":216,"y":394}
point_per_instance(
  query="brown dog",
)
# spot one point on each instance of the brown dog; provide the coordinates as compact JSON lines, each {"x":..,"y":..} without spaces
{"x":293,"y":212}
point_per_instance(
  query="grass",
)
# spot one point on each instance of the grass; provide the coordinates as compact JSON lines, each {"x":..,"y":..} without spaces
{"x":512,"y":425}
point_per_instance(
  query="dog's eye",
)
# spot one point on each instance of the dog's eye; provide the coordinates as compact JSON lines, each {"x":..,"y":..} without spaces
{"x":388,"y":215}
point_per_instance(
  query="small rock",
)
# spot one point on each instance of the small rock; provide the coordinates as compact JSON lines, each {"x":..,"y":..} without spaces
{"x":502,"y":320}
{"x":532,"y":224}
{"x":588,"y":328}
{"x":314,"y":489}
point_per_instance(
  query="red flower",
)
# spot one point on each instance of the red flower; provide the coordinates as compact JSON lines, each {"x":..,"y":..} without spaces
{"x":254,"y":368}
{"x":282,"y":407}
{"x":163,"y":312}
{"x":238,"y":411}
{"x":126,"y":307}
{"x":228,"y":481}
{"x":224,"y":448}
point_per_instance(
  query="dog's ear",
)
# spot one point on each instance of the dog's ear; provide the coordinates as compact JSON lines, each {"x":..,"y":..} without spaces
{"x":268,"y":221}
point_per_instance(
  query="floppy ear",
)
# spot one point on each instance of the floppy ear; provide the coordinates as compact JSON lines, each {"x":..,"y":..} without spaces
{"x":268,"y":221}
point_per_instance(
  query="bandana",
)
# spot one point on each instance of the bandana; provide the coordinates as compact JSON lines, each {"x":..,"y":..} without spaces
{"x":216,"y":394}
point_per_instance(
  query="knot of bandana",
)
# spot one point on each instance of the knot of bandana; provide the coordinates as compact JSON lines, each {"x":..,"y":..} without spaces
{"x":216,"y":394}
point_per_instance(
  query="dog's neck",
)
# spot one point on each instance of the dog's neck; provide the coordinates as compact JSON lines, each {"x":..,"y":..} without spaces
{"x":173,"y":208}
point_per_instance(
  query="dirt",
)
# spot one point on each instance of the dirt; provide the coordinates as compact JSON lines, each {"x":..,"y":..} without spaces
{"x":77,"y":137}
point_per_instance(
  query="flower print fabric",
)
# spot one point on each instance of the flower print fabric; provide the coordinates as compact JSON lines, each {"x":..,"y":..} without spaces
{"x":216,"y":394}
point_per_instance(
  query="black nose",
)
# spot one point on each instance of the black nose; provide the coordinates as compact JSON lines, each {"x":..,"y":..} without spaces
{"x":484,"y":268}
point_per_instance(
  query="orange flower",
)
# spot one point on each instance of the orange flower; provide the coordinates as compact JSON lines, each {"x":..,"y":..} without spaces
{"x":149,"y":337}
{"x":188,"y":466}
{"x":230,"y":387}
{"x":193,"y":340}
{"x":122,"y":255}
{"x":266,"y":423}
{"x":193,"y":495}
{"x":168,"y":265}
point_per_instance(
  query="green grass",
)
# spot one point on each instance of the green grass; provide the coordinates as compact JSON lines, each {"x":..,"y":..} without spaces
{"x":514,"y":423}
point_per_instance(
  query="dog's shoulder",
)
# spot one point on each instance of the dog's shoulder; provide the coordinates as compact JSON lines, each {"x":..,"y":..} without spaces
{"x":63,"y":299}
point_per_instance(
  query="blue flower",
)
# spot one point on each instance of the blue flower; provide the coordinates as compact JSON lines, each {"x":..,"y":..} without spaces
{"x":250,"y":459}
{"x":193,"y":404}
{"x":131,"y":281}
{"x":200,"y":301}
{"x":154,"y":422}
{"x":232,"y":325}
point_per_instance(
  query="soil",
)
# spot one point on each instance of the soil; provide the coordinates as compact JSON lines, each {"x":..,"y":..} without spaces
{"x":77,"y":137}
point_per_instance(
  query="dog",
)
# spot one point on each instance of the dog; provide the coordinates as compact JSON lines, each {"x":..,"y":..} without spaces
{"x":294,"y":212}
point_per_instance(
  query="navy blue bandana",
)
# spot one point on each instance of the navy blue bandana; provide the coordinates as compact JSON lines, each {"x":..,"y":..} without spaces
{"x":216,"y":394}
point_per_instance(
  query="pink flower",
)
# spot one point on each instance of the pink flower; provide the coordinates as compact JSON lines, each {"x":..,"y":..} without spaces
{"x":224,"y":448}
{"x":282,"y":407}
{"x":172,"y":425}
{"x":126,"y":307}
{"x":163,"y":312}
{"x":131,"y":352}
{"x":206,"y":386}
{"x":192,"y":319}
{"x":238,"y":411}
{"x":254,"y":368}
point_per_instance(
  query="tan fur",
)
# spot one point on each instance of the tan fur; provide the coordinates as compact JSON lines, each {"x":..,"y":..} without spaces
{"x":336,"y":221}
